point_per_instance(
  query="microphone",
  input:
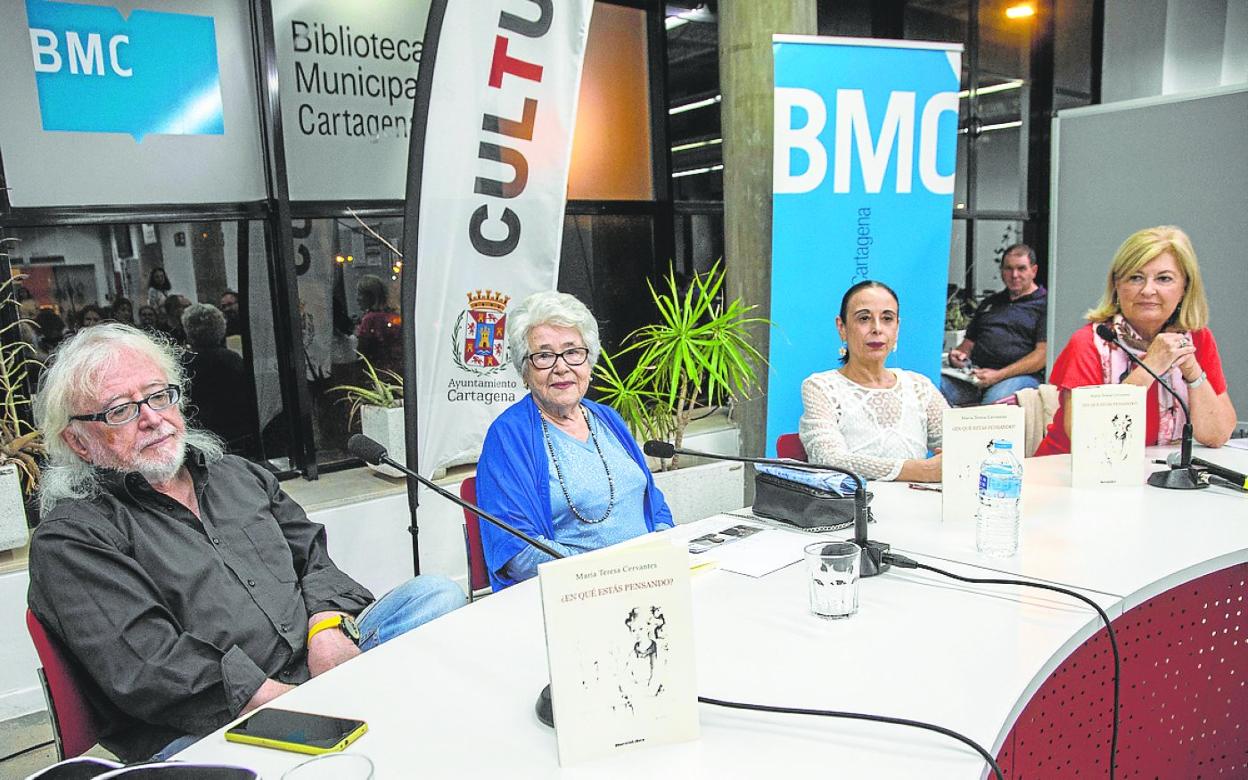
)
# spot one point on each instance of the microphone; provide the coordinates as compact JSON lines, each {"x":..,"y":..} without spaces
{"x":370,"y":451}
{"x":1236,"y":479}
{"x":873,"y":562}
{"x":1180,"y":476}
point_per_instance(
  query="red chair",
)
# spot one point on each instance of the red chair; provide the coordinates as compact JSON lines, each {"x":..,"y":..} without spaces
{"x":76,"y":726}
{"x":478,"y":572}
{"x":789,"y":445}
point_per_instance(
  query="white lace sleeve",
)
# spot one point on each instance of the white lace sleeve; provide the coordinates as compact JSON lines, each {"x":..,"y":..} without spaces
{"x":823,"y":440}
{"x":935,"y":405}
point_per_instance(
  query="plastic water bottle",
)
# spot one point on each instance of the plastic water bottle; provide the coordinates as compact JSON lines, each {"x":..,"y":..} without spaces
{"x":1000,"y":491}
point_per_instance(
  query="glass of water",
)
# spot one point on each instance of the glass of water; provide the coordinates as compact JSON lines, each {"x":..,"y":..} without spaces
{"x":833,"y":568}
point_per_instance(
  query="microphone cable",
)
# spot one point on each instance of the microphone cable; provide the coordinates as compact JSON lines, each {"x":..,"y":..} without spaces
{"x":918,"y":724}
{"x":903,"y":562}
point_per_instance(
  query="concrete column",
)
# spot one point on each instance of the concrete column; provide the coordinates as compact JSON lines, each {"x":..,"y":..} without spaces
{"x":746,"y":82}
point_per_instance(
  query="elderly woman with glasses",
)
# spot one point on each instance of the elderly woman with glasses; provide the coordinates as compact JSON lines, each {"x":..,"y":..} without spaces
{"x":556,"y":465}
{"x":1154,"y":301}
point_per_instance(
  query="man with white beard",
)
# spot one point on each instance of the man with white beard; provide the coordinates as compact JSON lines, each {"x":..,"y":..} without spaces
{"x":186,"y":583}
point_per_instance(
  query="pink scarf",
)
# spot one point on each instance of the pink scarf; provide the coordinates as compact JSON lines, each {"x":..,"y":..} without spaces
{"x":1115,"y":366}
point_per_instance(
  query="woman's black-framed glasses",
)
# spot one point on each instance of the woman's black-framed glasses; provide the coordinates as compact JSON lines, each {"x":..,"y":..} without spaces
{"x":572,"y":357}
{"x":129,"y":411}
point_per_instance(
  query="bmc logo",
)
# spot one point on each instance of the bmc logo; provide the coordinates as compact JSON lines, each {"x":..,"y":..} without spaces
{"x":98,"y":72}
{"x":897,"y":131}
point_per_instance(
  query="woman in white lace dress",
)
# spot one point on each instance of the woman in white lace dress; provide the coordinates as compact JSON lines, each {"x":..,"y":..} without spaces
{"x":876,"y":421}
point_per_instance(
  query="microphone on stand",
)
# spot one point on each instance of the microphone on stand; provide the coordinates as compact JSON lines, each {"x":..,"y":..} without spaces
{"x":1208,"y":469}
{"x":872,"y":551}
{"x":371,"y":451}
{"x":1181,"y":476}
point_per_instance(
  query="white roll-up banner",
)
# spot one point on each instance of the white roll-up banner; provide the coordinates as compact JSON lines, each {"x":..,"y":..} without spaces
{"x":491,"y":141}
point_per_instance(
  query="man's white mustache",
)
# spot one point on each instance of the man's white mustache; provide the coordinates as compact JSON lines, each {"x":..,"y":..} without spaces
{"x":166,"y":430}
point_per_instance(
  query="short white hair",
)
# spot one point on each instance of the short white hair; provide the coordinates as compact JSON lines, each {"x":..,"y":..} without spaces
{"x":549,"y":307}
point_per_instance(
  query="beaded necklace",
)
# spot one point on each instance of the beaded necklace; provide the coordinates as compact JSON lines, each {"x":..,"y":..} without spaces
{"x":559,"y":472}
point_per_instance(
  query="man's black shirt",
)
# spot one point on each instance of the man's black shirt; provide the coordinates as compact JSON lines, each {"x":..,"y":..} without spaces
{"x":178,"y":619}
{"x":1006,"y":330}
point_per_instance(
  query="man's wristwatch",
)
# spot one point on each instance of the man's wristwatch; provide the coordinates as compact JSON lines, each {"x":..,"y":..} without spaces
{"x":1198,"y":381}
{"x":343,"y":623}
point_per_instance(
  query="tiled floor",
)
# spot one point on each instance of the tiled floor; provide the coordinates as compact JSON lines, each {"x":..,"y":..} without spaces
{"x":22,"y":733}
{"x":30,"y":737}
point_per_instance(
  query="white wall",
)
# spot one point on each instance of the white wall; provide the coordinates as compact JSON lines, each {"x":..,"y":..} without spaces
{"x":1163,"y":47}
{"x":79,"y":245}
{"x":179,"y":266}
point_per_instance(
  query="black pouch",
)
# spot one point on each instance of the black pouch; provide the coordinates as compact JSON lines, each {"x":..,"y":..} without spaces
{"x":803,"y":506}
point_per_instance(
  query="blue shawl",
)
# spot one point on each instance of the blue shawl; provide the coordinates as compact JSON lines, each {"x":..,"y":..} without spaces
{"x":513,"y":481}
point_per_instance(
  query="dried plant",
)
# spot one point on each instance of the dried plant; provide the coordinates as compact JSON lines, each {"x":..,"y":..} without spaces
{"x":20,"y":442}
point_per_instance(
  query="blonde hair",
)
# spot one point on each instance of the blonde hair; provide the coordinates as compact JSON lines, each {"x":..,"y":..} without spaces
{"x":1140,"y":249}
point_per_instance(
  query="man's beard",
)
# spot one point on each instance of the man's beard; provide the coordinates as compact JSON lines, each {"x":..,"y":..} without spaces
{"x":156,"y":470}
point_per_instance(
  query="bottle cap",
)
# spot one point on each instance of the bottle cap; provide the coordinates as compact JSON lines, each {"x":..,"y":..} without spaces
{"x":1003,"y":444}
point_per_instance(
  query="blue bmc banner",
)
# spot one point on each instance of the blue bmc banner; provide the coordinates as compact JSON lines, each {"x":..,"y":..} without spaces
{"x":98,"y":72}
{"x":865,"y":145}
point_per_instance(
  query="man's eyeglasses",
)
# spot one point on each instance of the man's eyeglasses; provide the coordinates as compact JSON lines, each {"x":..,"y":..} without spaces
{"x":129,"y":411}
{"x":572,"y":357}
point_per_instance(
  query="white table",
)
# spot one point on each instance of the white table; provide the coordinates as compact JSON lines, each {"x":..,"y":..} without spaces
{"x":1129,"y":542}
{"x":455,"y":697}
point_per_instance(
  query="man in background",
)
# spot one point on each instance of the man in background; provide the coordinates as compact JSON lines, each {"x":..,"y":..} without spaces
{"x":1004,"y":348}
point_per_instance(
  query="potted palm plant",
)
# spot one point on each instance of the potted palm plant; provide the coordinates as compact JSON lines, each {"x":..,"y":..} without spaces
{"x":698,"y":350}
{"x":21,"y":444}
{"x":379,"y":403}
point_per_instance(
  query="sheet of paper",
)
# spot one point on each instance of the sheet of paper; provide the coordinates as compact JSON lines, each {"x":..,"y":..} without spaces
{"x":759,"y":554}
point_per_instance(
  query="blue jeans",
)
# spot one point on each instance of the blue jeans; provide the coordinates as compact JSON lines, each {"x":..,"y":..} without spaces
{"x":959,"y":393}
{"x":411,"y":604}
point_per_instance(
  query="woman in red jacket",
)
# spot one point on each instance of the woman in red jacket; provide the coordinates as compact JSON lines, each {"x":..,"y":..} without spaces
{"x":1155,"y":302}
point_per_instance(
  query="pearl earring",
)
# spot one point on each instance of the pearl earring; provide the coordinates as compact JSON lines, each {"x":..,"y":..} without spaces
{"x":843,"y":351}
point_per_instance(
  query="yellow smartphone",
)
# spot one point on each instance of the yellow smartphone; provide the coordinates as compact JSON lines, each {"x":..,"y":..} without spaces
{"x":300,"y":732}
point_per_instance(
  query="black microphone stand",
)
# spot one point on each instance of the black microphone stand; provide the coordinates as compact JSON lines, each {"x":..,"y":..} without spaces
{"x":370,"y":451}
{"x":872,"y":551}
{"x":1180,"y":476}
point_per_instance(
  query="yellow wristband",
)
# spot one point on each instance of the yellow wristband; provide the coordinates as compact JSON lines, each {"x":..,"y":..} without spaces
{"x":332,"y":622}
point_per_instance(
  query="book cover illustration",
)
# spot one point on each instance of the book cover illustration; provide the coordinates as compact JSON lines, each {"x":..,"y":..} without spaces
{"x":619,"y":640}
{"x":1107,"y":435}
{"x":967,"y":439}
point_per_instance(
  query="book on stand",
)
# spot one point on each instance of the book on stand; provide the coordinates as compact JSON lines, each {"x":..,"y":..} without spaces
{"x":1106,"y":435}
{"x":619,"y":642}
{"x":967,"y":439}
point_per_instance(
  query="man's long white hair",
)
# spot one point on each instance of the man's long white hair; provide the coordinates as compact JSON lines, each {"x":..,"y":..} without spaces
{"x":73,"y":372}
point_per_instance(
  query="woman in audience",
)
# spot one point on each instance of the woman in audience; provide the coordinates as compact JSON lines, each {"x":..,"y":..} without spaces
{"x":878,"y":422}
{"x":379,"y":334}
{"x":554,"y":464}
{"x":158,"y":287}
{"x":1155,"y":302}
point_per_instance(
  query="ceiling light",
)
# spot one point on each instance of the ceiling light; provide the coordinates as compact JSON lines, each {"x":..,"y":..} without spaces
{"x":1020,"y":11}
{"x":695,"y":104}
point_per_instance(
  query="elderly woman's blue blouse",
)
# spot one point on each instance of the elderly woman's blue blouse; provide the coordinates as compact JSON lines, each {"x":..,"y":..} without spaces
{"x":513,"y":481}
